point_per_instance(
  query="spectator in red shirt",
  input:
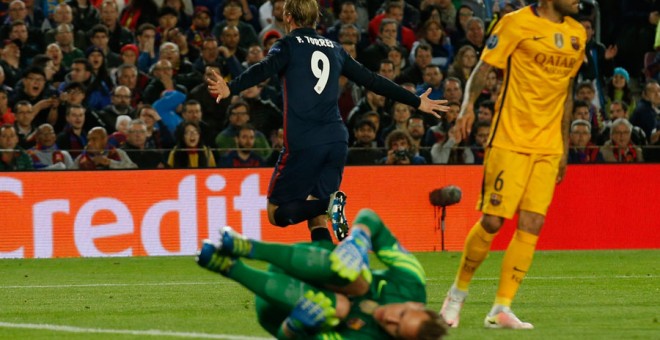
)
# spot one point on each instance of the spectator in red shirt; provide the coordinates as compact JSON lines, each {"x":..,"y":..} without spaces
{"x":6,"y":115}
{"x":244,"y":156}
{"x":393,"y":10}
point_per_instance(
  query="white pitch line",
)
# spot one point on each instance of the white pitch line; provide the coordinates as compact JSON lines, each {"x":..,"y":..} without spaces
{"x":221,"y":282}
{"x":623,"y":277}
{"x":150,"y":332}
{"x":559,"y":278}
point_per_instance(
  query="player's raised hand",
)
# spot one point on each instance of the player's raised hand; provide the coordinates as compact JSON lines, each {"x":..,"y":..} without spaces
{"x":218,"y":86}
{"x":465,"y":121}
{"x":350,"y":258}
{"x":611,"y":52}
{"x":432,"y":106}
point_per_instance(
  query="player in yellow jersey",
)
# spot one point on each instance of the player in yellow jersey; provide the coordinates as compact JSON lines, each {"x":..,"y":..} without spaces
{"x":540,"y":49}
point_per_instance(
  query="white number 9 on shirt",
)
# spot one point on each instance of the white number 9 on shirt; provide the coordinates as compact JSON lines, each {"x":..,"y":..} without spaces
{"x":321,"y":73}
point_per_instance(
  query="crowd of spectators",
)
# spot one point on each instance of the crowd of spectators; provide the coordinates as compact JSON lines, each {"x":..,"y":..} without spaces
{"x":114,"y":84}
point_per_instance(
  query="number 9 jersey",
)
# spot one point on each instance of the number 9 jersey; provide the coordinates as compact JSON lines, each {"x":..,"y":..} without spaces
{"x":309,"y":67}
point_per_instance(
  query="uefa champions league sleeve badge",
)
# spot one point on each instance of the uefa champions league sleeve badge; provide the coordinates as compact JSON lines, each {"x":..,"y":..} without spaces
{"x":492,"y":42}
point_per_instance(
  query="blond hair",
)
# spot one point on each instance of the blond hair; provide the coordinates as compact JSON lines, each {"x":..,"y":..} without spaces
{"x":305,"y":13}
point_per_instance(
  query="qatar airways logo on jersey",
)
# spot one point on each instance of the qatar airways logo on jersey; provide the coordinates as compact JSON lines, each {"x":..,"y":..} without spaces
{"x":555,"y":64}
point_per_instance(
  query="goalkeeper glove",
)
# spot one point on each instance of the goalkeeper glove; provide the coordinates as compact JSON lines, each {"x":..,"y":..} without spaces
{"x":350,"y":258}
{"x":311,"y":313}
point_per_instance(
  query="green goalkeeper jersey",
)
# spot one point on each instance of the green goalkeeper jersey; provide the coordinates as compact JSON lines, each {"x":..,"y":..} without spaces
{"x":403,"y":281}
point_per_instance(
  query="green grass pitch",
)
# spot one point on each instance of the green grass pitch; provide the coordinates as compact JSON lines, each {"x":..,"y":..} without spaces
{"x":567,"y":295}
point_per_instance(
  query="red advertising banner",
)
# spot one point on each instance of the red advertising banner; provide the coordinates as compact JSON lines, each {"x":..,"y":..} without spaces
{"x":168,"y":212}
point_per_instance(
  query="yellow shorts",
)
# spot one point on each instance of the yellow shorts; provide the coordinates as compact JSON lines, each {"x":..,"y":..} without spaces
{"x":517,"y":181}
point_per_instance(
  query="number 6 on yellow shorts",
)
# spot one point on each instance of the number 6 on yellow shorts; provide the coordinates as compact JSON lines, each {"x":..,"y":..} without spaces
{"x":517,"y":181}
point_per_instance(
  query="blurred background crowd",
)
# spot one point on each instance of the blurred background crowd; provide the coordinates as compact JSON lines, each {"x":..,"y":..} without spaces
{"x":115,"y":84}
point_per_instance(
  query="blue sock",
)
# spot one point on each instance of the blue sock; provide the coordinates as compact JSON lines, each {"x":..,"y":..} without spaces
{"x":299,"y":211}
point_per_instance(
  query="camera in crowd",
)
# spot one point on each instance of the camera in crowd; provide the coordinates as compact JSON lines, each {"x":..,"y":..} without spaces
{"x":402,"y":155}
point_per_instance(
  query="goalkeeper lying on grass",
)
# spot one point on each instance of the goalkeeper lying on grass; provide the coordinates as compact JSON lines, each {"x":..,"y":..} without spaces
{"x":323,"y":291}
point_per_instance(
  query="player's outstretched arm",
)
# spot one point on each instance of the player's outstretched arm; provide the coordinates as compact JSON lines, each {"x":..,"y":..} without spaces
{"x":387,"y":248}
{"x":218,"y":86}
{"x":565,"y":128}
{"x":474,"y":86}
{"x":379,"y":84}
{"x":432,"y":106}
{"x":350,"y":259}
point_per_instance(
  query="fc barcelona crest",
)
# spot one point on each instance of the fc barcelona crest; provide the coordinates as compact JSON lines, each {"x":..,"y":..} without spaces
{"x":559,"y":40}
{"x":355,"y":324}
{"x":575,"y":43}
{"x":495,"y":199}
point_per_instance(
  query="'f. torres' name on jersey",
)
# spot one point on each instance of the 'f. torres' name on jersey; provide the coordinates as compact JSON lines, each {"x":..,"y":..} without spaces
{"x":315,"y":41}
